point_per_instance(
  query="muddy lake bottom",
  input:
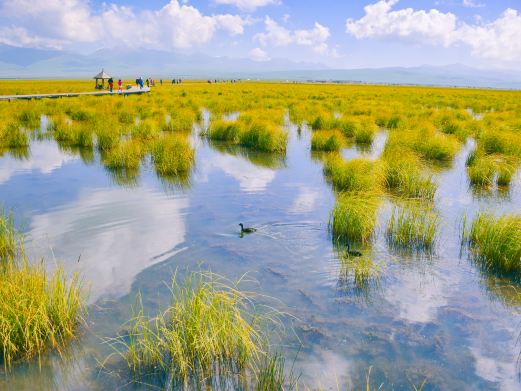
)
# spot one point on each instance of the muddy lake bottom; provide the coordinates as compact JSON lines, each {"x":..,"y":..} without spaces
{"x":434,"y":317}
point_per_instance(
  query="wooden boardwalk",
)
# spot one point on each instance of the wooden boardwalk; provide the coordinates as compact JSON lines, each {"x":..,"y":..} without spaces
{"x":133,"y":90}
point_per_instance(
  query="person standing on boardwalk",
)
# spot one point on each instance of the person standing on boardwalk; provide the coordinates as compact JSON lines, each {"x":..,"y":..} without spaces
{"x":111,"y":84}
{"x":120,"y":86}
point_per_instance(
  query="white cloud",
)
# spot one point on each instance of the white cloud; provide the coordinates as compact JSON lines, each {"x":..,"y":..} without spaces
{"x":55,"y":19}
{"x":316,"y":36}
{"x":379,"y":21}
{"x":45,"y":158}
{"x":306,"y":200}
{"x":251,"y":178}
{"x":67,"y":22}
{"x":110,"y":257}
{"x":247,"y":5}
{"x":20,"y":37}
{"x":258,"y":54}
{"x":278,"y":35}
{"x":498,"y":40}
{"x":274,"y":34}
{"x":472,"y":4}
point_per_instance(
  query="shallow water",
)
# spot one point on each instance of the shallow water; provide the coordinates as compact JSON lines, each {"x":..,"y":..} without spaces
{"x":435,"y":317}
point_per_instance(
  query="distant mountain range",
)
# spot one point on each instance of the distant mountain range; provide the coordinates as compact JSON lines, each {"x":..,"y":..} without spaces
{"x":35,"y":63}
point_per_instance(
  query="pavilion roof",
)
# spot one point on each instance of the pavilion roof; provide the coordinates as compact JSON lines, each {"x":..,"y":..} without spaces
{"x":102,"y":75}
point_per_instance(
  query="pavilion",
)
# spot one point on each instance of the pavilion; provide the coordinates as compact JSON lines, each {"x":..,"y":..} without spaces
{"x":102,"y":76}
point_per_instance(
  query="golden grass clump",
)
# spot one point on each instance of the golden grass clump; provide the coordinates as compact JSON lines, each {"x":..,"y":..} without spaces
{"x":354,"y":175}
{"x":413,"y":226}
{"x":11,"y":242}
{"x":486,"y":170}
{"x":37,"y":311}
{"x":209,"y":333}
{"x":438,"y":148}
{"x":265,"y":137}
{"x":221,"y":130}
{"x":404,"y":178}
{"x":181,"y":120}
{"x":354,"y":217}
{"x":13,"y":136}
{"x":495,"y":242}
{"x":128,"y":154}
{"x":327,"y":141}
{"x":172,"y":155}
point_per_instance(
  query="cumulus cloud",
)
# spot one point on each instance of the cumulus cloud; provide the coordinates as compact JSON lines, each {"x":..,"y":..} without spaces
{"x":274,"y":34}
{"x":278,"y":35}
{"x":66,"y":22}
{"x":379,"y":21}
{"x":247,"y":5}
{"x":497,"y":40}
{"x":259,"y":55}
{"x":20,"y":37}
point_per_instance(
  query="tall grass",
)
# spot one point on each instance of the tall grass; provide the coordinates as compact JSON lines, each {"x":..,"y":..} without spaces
{"x":354,"y":175}
{"x":13,"y":136}
{"x":496,"y":242}
{"x":438,"y":148}
{"x":128,"y":154}
{"x":326,"y":141}
{"x":210,"y":332}
{"x":365,"y":134}
{"x":11,"y":242}
{"x":37,"y":311}
{"x":354,"y":217}
{"x":264,"y":136}
{"x":271,"y":375}
{"x":412,"y":226}
{"x":172,"y":155}
{"x":221,"y":130}
{"x":404,"y":178}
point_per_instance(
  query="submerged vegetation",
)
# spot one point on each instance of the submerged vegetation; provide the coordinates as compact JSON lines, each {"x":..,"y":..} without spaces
{"x":37,"y":310}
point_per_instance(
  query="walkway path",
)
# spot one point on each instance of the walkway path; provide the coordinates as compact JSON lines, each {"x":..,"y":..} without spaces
{"x":133,"y":90}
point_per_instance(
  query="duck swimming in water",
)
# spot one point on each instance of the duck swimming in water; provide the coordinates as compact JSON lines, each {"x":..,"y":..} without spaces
{"x":353,"y":253}
{"x":247,"y":230}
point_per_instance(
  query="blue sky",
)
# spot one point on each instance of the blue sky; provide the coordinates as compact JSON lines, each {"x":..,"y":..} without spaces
{"x":339,"y":34}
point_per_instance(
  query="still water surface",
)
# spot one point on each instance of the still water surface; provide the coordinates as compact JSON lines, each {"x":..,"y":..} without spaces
{"x":435,"y":317}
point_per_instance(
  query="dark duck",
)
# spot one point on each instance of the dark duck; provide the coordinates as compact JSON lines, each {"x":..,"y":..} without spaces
{"x":353,"y":253}
{"x":247,"y":230}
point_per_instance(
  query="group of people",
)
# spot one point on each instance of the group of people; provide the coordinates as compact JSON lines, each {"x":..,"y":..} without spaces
{"x":149,"y":82}
{"x":140,"y":83}
{"x":111,"y":85}
{"x":221,"y":81}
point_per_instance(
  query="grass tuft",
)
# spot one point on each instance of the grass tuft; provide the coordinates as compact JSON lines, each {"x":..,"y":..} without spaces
{"x":412,"y":226}
{"x":495,"y":242}
{"x":172,"y":156}
{"x":210,"y":332}
{"x":37,"y":311}
{"x":354,"y":217}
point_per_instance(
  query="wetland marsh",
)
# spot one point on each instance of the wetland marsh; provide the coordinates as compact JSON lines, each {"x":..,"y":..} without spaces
{"x":140,"y":199}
